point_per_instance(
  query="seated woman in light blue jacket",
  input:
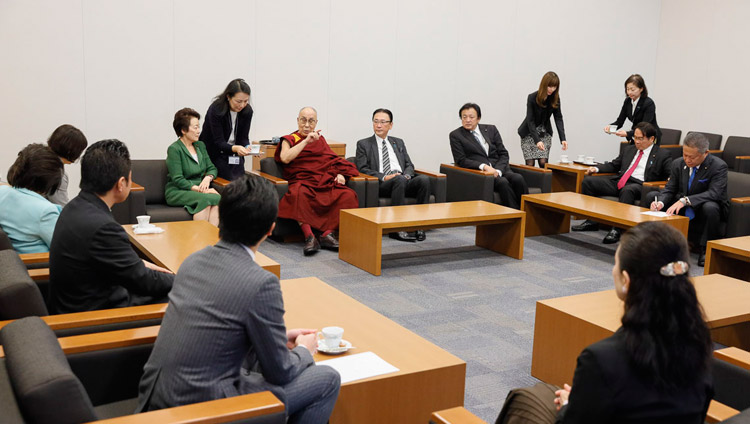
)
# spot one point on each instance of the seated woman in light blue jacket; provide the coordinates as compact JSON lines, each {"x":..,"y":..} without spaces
{"x":25,"y":214}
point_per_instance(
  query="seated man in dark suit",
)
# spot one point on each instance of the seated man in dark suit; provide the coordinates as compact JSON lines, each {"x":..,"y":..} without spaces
{"x":638,"y":162}
{"x":92,"y":264}
{"x":224,"y":335}
{"x":386,"y":158}
{"x":697,"y":188}
{"x":479,"y":146}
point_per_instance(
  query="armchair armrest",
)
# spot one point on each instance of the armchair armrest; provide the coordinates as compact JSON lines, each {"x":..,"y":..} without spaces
{"x":718,"y":412}
{"x":39,"y":274}
{"x":457,"y":415}
{"x":648,"y":187}
{"x":716,"y":152}
{"x":735,"y":356}
{"x":602,"y":174}
{"x":438,"y":184}
{"x":535,"y":177}
{"x":102,"y":317}
{"x":227,"y":410}
{"x":282,"y":186}
{"x":742,"y":164}
{"x":467,"y":184}
{"x":34,"y":258}
{"x":741,"y":200}
{"x":363,"y":185}
{"x":738,"y":222}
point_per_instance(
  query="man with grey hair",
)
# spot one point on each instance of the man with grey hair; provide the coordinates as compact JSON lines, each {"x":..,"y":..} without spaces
{"x":697,"y":188}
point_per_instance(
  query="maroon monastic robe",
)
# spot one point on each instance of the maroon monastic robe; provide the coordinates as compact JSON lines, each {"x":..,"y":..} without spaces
{"x":314,"y":196}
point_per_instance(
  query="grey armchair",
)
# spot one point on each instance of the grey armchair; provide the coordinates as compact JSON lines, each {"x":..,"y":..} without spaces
{"x":736,"y":153}
{"x":470,"y":184}
{"x":437,"y":188}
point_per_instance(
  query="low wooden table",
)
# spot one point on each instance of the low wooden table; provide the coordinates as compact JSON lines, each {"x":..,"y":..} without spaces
{"x":564,"y":326}
{"x":499,"y":228}
{"x":549,"y":213}
{"x":729,"y":257}
{"x":429,"y":378}
{"x":567,"y":176}
{"x":182,"y":238}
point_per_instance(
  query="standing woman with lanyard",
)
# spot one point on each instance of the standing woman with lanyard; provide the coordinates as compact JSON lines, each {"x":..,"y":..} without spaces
{"x":226,"y":129}
{"x":638,"y":107}
{"x":536,"y":130}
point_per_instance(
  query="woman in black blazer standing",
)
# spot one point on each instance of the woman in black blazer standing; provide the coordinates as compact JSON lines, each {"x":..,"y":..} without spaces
{"x":637,"y":107}
{"x":536,"y":130}
{"x":656,"y":367}
{"x":226,"y":129}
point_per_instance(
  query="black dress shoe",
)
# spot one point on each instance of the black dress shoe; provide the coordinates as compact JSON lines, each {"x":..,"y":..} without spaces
{"x":613,"y":236}
{"x":702,"y":257}
{"x":586,"y":226}
{"x":420,"y":235}
{"x":311,"y":246}
{"x":329,"y":242}
{"x":402,"y":236}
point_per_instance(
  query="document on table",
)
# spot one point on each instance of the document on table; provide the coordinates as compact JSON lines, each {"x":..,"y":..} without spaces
{"x":359,"y":366}
{"x":660,"y":214}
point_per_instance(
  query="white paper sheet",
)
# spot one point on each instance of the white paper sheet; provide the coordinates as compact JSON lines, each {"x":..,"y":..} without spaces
{"x":359,"y":366}
{"x":660,"y":214}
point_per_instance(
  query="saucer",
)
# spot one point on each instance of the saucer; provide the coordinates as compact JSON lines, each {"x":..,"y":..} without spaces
{"x":565,"y":161}
{"x":343,"y":347}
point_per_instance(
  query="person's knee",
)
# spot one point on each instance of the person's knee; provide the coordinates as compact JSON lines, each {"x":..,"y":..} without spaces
{"x":711,"y":209}
{"x":587,"y":187}
{"x":329,"y":377}
{"x":650,"y":197}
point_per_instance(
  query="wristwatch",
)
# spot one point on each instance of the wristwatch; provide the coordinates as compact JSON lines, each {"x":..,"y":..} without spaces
{"x":684,"y":200}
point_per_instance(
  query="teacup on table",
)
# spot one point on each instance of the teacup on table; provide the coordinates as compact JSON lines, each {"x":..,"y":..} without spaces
{"x":331,"y":336}
{"x":581,"y":158}
{"x":589,"y":160}
{"x":564,"y":159}
{"x":144,"y":221}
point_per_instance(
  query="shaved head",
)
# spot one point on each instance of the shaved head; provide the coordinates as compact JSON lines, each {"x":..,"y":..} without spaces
{"x":308,"y":109}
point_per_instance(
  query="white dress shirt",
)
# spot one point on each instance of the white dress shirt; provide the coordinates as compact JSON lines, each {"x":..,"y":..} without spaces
{"x":486,"y":146}
{"x":395,"y":166}
{"x":640,"y":171}
{"x":633,"y":104}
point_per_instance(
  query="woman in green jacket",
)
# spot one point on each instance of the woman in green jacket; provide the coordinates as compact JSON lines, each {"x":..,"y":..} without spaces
{"x":191,"y":170}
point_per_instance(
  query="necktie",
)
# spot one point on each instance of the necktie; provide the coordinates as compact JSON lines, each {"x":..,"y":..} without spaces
{"x":689,"y":212}
{"x":626,"y":176}
{"x":479,"y":140}
{"x":386,"y":160}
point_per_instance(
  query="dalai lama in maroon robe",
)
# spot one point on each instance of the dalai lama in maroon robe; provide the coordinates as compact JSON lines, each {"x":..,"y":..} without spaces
{"x":317,"y":178}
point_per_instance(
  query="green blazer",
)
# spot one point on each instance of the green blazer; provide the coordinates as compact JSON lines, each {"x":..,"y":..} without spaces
{"x":184,"y":173}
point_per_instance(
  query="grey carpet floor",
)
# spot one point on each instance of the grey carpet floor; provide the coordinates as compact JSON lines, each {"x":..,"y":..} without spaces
{"x":472,"y":302}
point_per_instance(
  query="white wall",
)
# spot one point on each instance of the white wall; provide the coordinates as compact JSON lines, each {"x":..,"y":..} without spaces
{"x":702,"y":66}
{"x":121,"y":69}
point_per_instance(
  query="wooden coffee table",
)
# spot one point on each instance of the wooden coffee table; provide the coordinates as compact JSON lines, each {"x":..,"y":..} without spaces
{"x":730,"y":256}
{"x":499,"y":228}
{"x":564,"y":326}
{"x":567,"y":176}
{"x":182,"y":238}
{"x":429,"y":378}
{"x":549,"y":213}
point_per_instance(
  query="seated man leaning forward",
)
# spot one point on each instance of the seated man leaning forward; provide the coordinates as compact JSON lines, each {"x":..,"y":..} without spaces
{"x":317,"y":178}
{"x":697,"y":189}
{"x":223,"y":334}
{"x":479,"y":146}
{"x":386,"y":158}
{"x":638,"y":162}
{"x":92,"y":264}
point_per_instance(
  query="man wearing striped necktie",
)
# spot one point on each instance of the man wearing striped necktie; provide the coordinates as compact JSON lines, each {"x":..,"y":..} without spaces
{"x":697,"y":188}
{"x":638,"y":162}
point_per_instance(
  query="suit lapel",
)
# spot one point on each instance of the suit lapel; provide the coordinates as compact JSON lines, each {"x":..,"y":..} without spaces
{"x":374,"y":152}
{"x":486,"y":134}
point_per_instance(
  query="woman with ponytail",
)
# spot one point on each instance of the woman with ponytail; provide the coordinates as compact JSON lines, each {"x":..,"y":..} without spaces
{"x":655,"y":368}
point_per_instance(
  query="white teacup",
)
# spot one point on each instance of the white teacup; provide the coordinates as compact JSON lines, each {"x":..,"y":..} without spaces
{"x":581,"y":158}
{"x":564,"y":158}
{"x":143,"y":221}
{"x":331,"y":336}
{"x":589,"y":160}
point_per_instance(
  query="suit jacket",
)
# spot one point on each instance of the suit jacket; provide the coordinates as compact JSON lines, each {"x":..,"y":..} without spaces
{"x":658,"y":165}
{"x":607,"y":388}
{"x":468,"y":153}
{"x":537,"y":115}
{"x":225,"y":311}
{"x":709,"y":183}
{"x":216,"y":131}
{"x":645,"y":111}
{"x":92,"y":264}
{"x":368,"y":156}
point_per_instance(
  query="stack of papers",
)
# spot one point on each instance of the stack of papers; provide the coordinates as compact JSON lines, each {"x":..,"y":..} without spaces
{"x":359,"y":366}
{"x":656,"y":213}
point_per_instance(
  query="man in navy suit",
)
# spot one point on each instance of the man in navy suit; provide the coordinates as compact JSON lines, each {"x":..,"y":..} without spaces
{"x":639,"y":162}
{"x":224,"y":335}
{"x":697,"y":188}
{"x":479,"y":146}
{"x":386,"y":158}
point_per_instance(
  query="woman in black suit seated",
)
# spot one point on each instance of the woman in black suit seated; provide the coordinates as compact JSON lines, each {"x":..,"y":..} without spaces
{"x":535,"y":130}
{"x":655,"y":368}
{"x":226,"y":129}
{"x":637,"y":107}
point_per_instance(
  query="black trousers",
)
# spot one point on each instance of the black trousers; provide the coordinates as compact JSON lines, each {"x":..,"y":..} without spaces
{"x":511,"y":186}
{"x":398,"y":188}
{"x":706,"y":224}
{"x":607,"y":186}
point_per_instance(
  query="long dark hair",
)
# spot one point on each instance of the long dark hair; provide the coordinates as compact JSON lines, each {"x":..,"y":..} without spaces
{"x":235,"y":86}
{"x":665,"y":332}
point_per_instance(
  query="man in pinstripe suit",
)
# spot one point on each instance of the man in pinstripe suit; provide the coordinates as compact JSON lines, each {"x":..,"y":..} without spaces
{"x":223,"y":333}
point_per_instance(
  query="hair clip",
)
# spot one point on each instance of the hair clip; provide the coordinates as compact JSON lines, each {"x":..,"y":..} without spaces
{"x":674,"y":268}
